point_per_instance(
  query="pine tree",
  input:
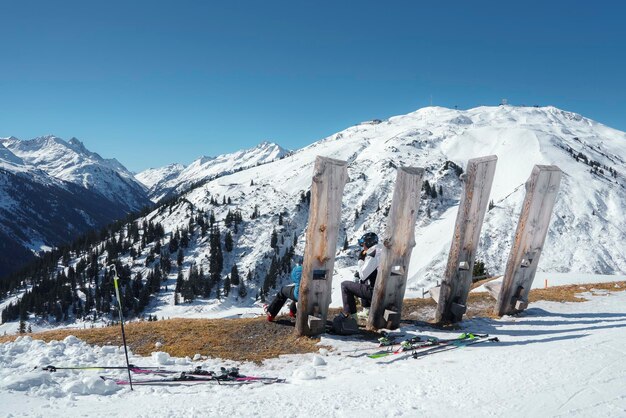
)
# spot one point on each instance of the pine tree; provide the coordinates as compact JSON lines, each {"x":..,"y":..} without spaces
{"x":187,"y":290}
{"x":479,"y":269}
{"x":242,"y":291}
{"x":426,"y":187}
{"x":216,"y":260}
{"x":179,"y":281}
{"x":228,"y":220}
{"x":180,"y":257}
{"x":173,"y":245}
{"x":234,"y":275}
{"x":228,"y":242}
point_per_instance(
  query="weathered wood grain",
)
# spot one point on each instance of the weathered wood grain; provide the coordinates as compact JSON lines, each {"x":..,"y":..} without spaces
{"x":398,"y":243}
{"x":541,"y":191}
{"x":329,"y":179}
{"x":455,"y":285}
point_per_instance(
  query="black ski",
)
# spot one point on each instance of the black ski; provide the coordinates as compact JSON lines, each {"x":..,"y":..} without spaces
{"x":435,"y":350}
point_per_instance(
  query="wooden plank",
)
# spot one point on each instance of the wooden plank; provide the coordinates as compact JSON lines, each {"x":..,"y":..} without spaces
{"x":434,"y":293}
{"x":398,"y":243}
{"x":329,"y":179}
{"x":493,"y":289}
{"x":457,"y":280}
{"x":532,"y":228}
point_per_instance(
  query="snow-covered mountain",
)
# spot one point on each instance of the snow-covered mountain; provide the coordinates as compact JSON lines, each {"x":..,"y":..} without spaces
{"x":585,"y":234}
{"x":72,"y":162}
{"x":51,"y":191}
{"x":175,"y":178}
{"x":586,"y":229}
{"x":154,"y":176}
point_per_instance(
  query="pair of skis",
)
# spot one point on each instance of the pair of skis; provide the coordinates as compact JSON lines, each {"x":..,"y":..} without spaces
{"x":229,"y":376}
{"x":453,"y":345}
{"x":419,"y":346}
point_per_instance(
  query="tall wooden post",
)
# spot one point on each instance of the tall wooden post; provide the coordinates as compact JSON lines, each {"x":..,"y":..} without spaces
{"x":398,"y":243}
{"x":455,"y":286}
{"x":541,"y":190}
{"x":329,"y":179}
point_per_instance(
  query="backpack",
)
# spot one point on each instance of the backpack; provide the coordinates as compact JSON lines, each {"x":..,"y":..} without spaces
{"x":343,"y":325}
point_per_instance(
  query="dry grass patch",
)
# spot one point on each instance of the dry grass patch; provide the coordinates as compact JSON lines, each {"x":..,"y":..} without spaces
{"x":234,"y":339}
{"x":568,"y":293}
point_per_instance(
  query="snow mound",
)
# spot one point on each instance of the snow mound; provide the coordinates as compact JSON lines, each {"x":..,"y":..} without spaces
{"x":161,"y":357}
{"x":25,"y":381}
{"x":305,"y":373}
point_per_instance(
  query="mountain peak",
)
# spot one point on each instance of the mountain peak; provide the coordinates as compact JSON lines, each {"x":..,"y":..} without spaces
{"x":76,"y":142}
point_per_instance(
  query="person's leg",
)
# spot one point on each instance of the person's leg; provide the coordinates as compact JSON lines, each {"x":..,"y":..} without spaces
{"x":365,"y":292}
{"x":277,"y":304}
{"x":289,"y":291}
{"x":349,"y":290}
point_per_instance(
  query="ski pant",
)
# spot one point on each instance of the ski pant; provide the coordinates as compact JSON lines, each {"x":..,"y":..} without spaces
{"x":286,"y":292}
{"x":350,"y":289}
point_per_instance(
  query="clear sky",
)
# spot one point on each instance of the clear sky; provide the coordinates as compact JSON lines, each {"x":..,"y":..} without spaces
{"x":156,"y":82}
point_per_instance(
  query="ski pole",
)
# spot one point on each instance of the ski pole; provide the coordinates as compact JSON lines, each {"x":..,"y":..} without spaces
{"x":119,"y":302}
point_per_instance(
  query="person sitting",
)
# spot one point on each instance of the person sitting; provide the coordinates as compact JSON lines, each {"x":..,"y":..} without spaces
{"x":286,"y":292}
{"x":369,"y":258}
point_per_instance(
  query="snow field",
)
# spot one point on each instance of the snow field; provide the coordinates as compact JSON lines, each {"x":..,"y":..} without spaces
{"x":555,"y":359}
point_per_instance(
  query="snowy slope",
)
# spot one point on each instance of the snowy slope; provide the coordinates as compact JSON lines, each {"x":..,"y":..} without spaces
{"x":9,"y":160}
{"x":555,"y":359}
{"x":584,"y":229}
{"x":38,"y":212}
{"x":175,"y":178}
{"x":153,"y":176}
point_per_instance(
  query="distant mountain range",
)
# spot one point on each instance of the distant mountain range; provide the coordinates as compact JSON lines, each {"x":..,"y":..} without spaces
{"x":175,"y":178}
{"x":267,"y":186}
{"x":52,"y":190}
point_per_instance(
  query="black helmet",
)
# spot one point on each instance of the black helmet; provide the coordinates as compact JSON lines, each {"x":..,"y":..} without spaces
{"x":368,"y":239}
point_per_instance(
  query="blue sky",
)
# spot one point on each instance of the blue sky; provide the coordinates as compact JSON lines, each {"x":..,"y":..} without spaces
{"x":156,"y":82}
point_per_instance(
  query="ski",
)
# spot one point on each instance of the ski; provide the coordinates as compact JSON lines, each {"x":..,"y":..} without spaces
{"x":133,"y":368}
{"x":183,"y":378}
{"x":417,"y":343}
{"x":434,"y":350}
{"x":385,"y":341}
{"x":224,"y":376}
